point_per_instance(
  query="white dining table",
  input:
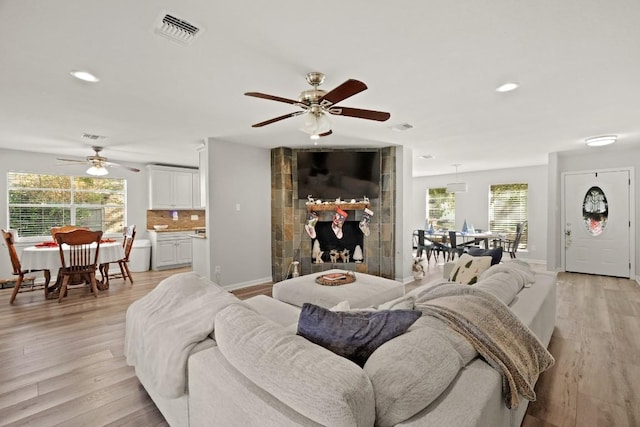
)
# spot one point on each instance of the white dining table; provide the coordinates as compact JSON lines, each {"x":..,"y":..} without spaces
{"x":48,"y":257}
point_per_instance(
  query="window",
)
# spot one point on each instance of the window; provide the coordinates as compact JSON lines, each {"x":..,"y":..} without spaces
{"x":508,"y":207}
{"x":39,"y":202}
{"x":441,"y":209}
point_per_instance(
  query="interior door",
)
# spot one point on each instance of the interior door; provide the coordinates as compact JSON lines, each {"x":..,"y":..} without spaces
{"x":597,"y":223}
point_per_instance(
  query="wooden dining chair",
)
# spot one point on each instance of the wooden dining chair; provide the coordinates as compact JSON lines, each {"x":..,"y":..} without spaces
{"x":80,"y":258}
{"x":65,"y":229}
{"x":128,"y":236}
{"x":9,"y":240}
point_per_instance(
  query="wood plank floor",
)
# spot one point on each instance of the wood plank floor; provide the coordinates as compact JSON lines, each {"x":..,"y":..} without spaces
{"x":63,"y":364}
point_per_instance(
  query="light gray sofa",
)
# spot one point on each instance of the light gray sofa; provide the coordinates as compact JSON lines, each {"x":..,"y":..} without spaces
{"x":258,"y":372}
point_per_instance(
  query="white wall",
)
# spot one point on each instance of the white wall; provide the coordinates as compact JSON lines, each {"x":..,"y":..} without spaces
{"x":404,"y":203}
{"x":239,"y":240}
{"x":473,"y":206}
{"x":22,"y":161}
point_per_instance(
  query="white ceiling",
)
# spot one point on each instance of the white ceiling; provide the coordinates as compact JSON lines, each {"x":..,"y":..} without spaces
{"x":432,"y":64}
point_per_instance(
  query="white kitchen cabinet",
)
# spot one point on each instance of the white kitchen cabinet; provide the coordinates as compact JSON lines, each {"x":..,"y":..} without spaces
{"x":197,"y":203}
{"x":170,"y":249}
{"x":171,"y":188}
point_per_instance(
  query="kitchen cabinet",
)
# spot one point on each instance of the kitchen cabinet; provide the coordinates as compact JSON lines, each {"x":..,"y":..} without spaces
{"x":171,"y":188}
{"x":170,"y":249}
{"x":197,"y":199}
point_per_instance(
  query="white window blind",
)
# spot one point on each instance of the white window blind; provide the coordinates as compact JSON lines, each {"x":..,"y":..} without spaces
{"x":38,"y":202}
{"x":507,"y":208}
{"x":441,"y":208}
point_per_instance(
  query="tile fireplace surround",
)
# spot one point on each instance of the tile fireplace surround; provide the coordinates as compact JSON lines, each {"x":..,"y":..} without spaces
{"x":288,"y":216}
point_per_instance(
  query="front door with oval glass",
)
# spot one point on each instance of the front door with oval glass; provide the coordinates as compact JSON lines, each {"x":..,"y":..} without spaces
{"x":596,"y":208}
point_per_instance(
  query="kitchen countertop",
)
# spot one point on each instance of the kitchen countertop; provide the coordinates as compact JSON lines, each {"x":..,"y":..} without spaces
{"x":169,"y":230}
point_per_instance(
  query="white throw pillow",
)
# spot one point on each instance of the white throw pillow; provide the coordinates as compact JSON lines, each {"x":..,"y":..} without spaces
{"x":468,"y":269}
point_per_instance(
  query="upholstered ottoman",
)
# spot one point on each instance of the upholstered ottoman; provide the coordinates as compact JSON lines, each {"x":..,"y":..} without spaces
{"x":366,"y":291}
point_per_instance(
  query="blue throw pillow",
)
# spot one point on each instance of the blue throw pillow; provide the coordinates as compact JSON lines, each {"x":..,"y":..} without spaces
{"x":495,"y":253}
{"x":353,"y":334}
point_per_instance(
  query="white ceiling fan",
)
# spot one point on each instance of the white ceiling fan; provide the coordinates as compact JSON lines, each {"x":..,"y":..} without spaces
{"x":99,"y":164}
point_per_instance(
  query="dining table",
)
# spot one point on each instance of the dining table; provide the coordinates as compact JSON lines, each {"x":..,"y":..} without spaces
{"x":467,"y":238}
{"x":46,"y":256}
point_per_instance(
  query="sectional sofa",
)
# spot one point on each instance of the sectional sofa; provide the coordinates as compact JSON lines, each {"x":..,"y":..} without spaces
{"x":247,"y":367}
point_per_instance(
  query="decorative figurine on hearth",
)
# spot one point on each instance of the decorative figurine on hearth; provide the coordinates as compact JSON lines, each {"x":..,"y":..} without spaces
{"x":315,"y":250}
{"x":333,"y":256}
{"x":344,"y":255}
{"x":357,"y":254}
{"x":338,"y":220}
{"x":319,"y":257}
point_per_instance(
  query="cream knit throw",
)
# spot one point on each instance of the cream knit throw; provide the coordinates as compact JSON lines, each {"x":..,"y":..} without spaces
{"x":506,"y":343}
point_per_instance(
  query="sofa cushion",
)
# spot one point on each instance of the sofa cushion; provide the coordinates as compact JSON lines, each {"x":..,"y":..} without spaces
{"x":468,"y":268}
{"x":353,"y":334}
{"x":310,"y":379}
{"x":494,"y":253}
{"x":409,"y":372}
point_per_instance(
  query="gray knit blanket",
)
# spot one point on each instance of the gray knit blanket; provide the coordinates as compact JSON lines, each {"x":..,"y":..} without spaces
{"x":506,"y":343}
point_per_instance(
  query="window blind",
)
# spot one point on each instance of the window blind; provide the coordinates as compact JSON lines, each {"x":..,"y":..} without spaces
{"x":38,"y":202}
{"x":441,"y":208}
{"x":507,"y":208}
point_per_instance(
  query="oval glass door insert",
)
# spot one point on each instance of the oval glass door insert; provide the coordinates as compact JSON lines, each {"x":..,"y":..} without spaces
{"x":595,"y":211}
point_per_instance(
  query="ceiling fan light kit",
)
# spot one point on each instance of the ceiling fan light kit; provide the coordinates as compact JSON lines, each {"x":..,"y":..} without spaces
{"x":98,"y":164}
{"x":97,"y":171}
{"x":316,"y":104}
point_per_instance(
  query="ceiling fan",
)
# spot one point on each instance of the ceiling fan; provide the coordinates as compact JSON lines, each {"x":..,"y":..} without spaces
{"x":99,"y":164}
{"x":317,"y":103}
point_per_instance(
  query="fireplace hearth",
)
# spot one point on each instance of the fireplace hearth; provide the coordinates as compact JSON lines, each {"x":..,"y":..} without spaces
{"x":327,"y":241}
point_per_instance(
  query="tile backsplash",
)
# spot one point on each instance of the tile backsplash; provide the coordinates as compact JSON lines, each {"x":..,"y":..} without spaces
{"x":165,"y":217}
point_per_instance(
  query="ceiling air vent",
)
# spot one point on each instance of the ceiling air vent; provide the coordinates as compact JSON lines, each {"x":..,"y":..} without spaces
{"x":177,"y":29}
{"x":402,"y":127}
{"x":92,"y":136}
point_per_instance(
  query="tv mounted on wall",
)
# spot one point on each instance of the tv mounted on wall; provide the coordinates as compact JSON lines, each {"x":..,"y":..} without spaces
{"x":345,"y":174}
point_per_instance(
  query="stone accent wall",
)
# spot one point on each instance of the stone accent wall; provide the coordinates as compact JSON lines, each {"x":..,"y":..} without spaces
{"x":289,"y":240}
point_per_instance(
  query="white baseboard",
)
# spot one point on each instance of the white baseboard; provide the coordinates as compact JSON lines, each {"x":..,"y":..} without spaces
{"x":247,"y":284}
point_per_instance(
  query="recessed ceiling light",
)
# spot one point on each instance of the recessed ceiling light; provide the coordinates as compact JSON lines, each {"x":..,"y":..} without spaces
{"x":84,"y":75}
{"x":599,"y":141}
{"x":427,"y":156}
{"x":507,"y":87}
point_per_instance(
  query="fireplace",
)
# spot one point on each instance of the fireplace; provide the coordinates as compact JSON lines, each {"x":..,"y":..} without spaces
{"x":290,"y":242}
{"x":327,"y":241}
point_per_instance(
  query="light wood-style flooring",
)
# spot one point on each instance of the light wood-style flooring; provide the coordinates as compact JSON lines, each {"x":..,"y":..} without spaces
{"x":63,"y":364}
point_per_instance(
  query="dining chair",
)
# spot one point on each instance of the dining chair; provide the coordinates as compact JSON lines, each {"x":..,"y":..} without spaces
{"x":65,"y":229}
{"x":511,"y":245}
{"x":422,"y":244}
{"x":9,"y":239}
{"x":128,"y":236}
{"x":79,"y":258}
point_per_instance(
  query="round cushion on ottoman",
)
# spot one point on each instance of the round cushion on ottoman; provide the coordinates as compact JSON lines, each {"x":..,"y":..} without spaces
{"x":366,"y":291}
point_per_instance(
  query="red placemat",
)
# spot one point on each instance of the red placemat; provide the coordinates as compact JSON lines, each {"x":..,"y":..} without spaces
{"x":46,"y":245}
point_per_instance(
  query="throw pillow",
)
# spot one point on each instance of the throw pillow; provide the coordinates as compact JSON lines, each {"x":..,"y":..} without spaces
{"x":353,"y":334}
{"x":468,"y":268}
{"x":494,"y":253}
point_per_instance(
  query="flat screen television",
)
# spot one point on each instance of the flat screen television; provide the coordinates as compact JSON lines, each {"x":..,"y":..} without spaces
{"x":332,"y":174}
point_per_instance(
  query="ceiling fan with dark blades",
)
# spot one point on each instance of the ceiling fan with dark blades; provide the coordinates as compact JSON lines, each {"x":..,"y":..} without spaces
{"x":99,"y":164}
{"x":317,"y":103}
